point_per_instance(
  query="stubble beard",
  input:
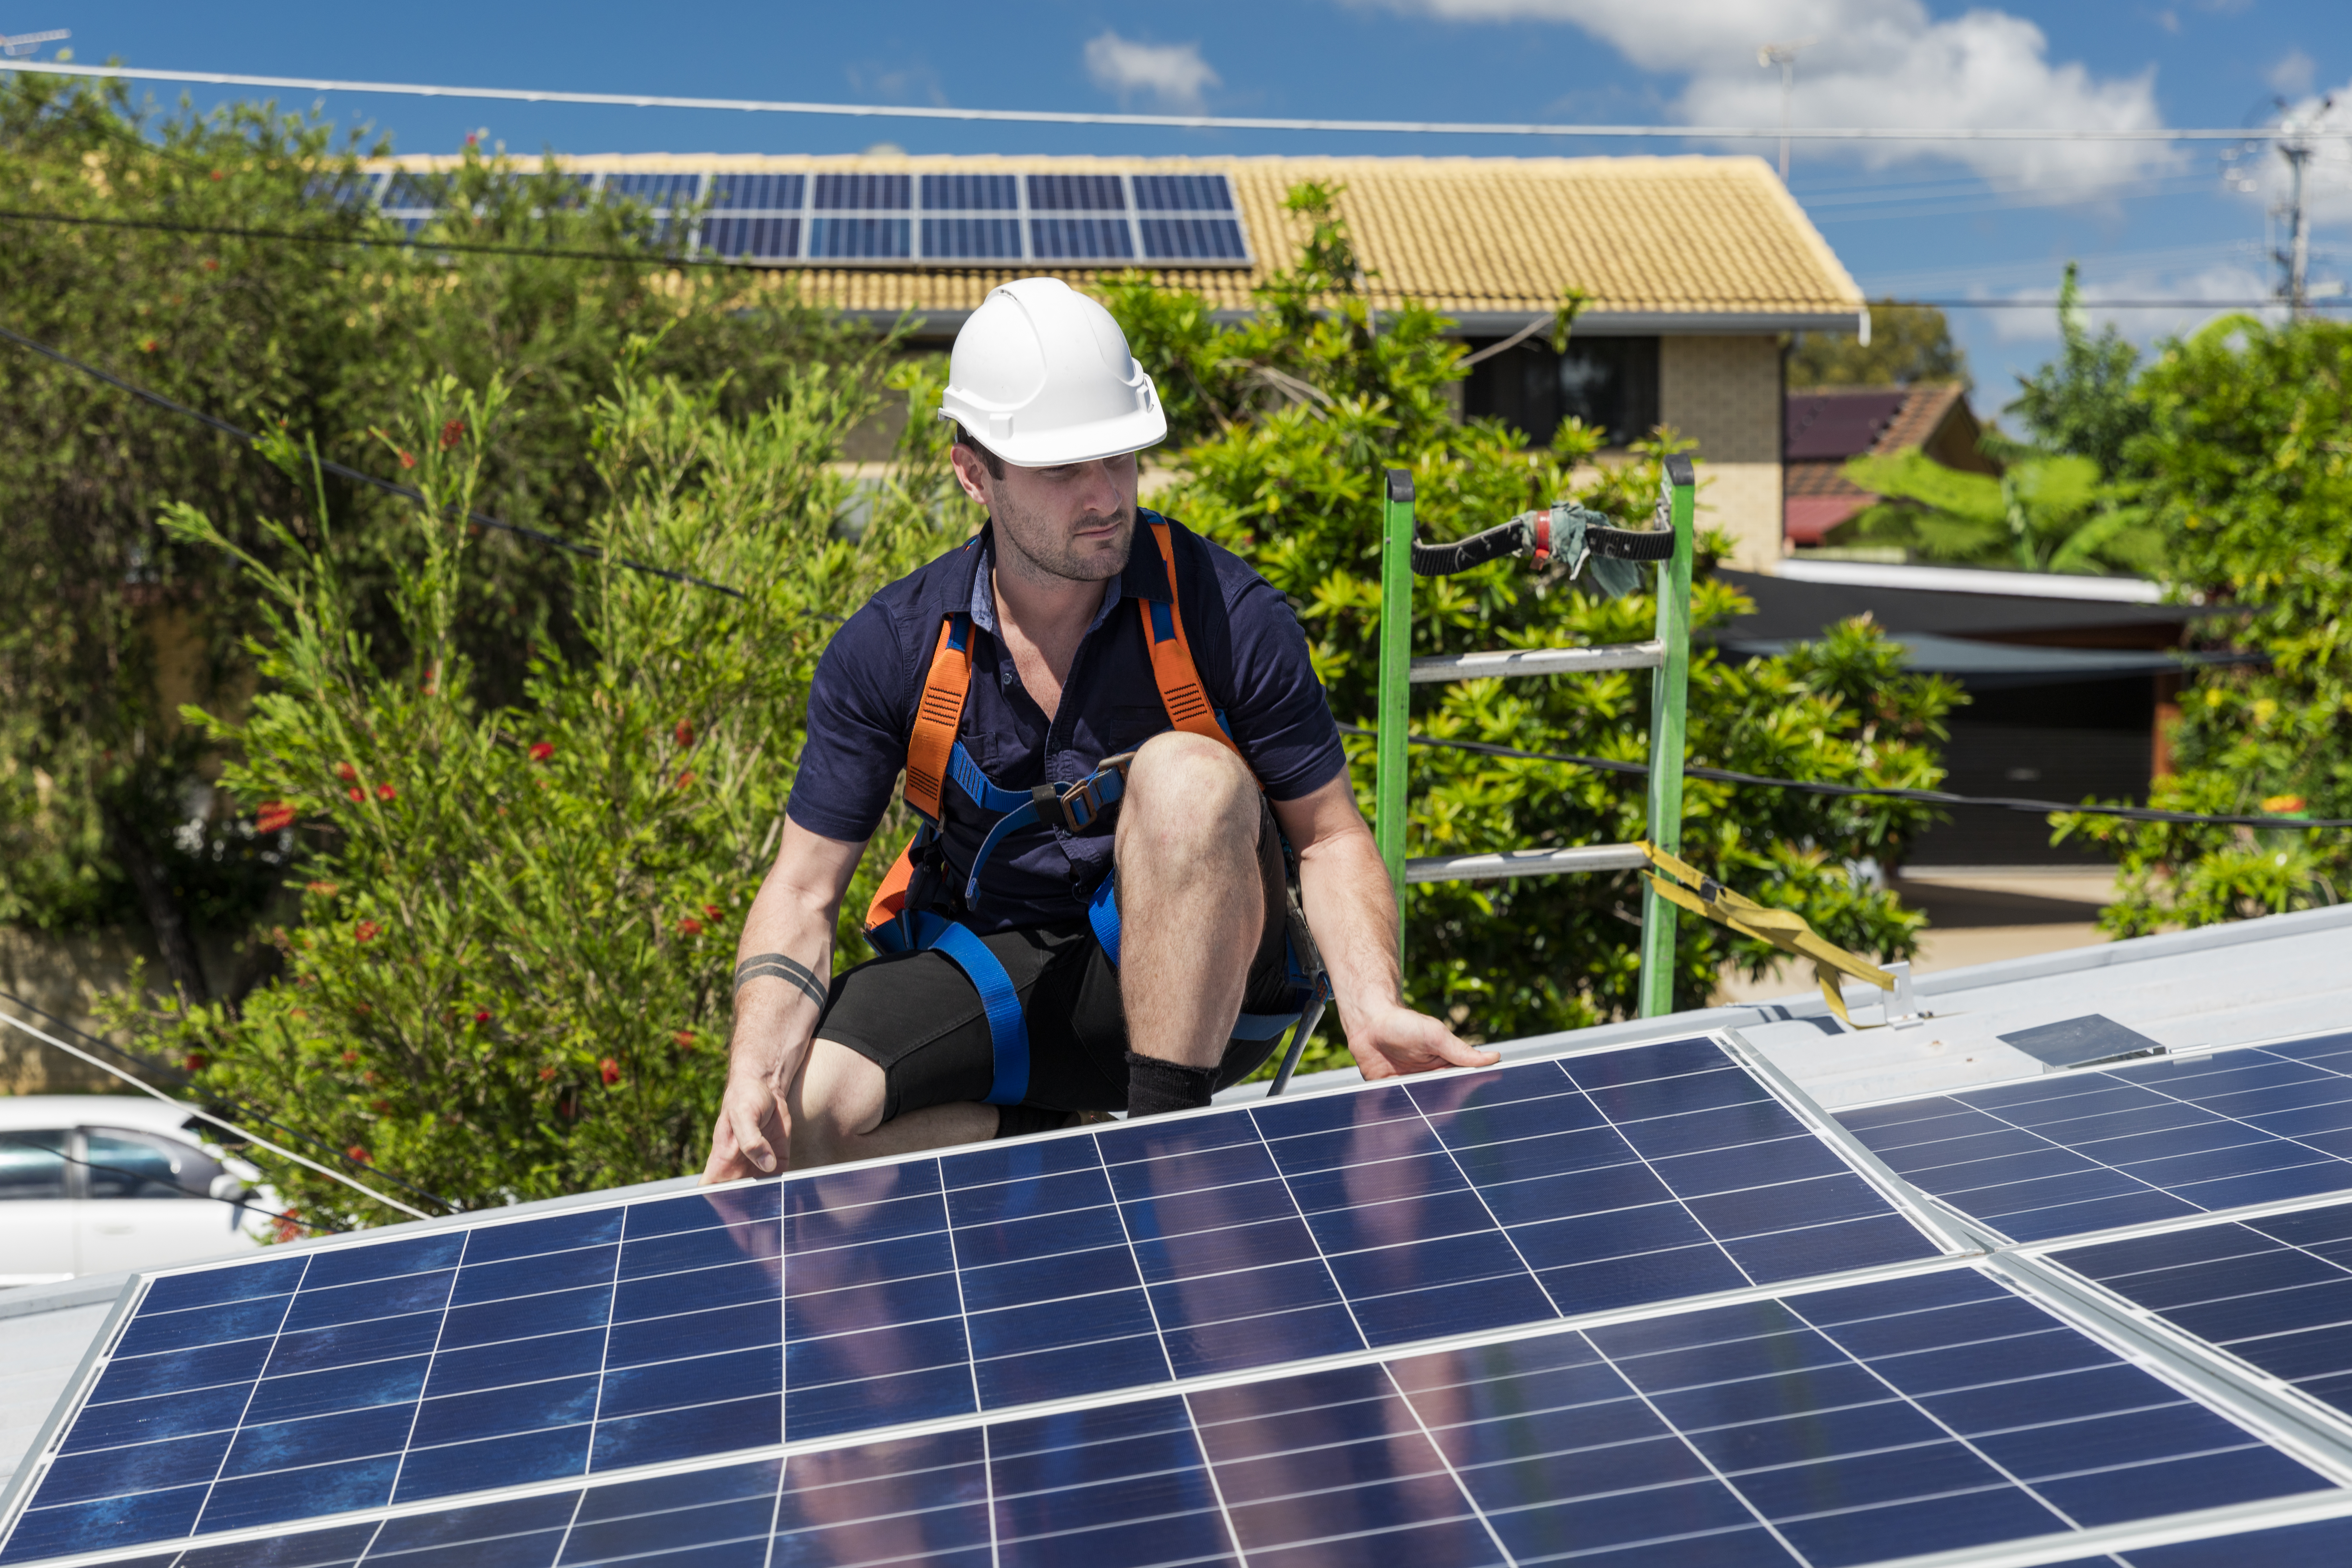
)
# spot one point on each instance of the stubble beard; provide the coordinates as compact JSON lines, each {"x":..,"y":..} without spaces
{"x":1043,"y":551}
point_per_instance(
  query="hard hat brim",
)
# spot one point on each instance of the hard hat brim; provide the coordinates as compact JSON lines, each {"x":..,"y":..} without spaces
{"x":1078,"y":444}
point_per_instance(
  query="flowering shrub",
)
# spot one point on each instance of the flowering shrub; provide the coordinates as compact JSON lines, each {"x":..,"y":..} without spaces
{"x":510,"y":978}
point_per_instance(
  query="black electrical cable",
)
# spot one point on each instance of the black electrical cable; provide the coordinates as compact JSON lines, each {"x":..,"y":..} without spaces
{"x":592,"y":552}
{"x":1927,"y":796}
{"x":404,"y":241}
{"x":242,"y":1110}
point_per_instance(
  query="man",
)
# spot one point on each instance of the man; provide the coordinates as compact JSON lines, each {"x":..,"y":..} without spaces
{"x":1057,"y":637}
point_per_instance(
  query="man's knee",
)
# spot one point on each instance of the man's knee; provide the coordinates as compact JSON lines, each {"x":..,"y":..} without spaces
{"x":839,"y":1095}
{"x":1179,"y":779}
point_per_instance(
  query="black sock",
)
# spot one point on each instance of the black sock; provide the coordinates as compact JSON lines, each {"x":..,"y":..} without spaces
{"x":1154,"y":1085}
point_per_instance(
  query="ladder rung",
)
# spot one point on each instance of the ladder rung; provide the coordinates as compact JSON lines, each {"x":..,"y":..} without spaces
{"x":1525,"y":863}
{"x":1539,"y":661}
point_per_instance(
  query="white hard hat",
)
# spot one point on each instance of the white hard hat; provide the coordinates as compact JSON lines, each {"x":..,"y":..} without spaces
{"x":1041,"y":375}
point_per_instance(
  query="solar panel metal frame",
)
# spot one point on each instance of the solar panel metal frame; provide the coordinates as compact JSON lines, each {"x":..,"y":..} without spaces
{"x":2292,"y":1422}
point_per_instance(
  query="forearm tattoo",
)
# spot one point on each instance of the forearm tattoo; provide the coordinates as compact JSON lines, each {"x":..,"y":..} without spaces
{"x":783,"y":968}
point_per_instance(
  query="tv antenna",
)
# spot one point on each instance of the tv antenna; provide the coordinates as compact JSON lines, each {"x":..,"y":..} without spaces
{"x":1785,"y":57}
{"x":24,"y":44}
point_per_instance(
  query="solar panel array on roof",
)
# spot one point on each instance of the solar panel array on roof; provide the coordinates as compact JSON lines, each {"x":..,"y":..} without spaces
{"x":1637,"y":1307}
{"x":876,"y":219}
{"x":2067,"y":1153}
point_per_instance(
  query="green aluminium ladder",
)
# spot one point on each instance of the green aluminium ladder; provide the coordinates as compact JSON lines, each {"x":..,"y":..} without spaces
{"x":1666,"y":656}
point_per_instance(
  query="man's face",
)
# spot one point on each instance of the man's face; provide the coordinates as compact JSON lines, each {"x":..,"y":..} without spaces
{"x":1076,"y":521}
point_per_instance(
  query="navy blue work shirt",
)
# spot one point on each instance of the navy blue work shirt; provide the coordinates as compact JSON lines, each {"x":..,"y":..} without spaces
{"x":1248,"y":646}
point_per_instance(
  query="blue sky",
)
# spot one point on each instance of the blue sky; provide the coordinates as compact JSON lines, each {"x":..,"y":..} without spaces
{"x":1918,"y":220}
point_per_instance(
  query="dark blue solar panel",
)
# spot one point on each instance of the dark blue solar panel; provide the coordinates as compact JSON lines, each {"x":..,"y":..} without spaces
{"x":1183,"y":194}
{"x":1821,"y":1430}
{"x":971,"y":238}
{"x":1080,"y":238}
{"x":942,"y":1287}
{"x":1076,"y":192}
{"x":864,"y":192}
{"x":857,"y":238}
{"x":1192,"y":239}
{"x":757,"y":193}
{"x":2322,"y":1543}
{"x":661,"y":191}
{"x":2071,"y":1152}
{"x":971,"y":193}
{"x":758,"y":238}
{"x":2276,"y":1292}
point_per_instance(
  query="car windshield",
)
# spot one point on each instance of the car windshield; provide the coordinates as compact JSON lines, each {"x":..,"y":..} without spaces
{"x":33,"y":1164}
{"x":142,"y":1165}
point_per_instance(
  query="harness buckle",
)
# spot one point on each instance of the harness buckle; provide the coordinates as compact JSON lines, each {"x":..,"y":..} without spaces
{"x":1082,"y":805}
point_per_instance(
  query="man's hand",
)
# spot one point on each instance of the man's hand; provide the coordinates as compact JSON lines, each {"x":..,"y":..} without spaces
{"x":1395,"y":1040}
{"x":753,"y":1135}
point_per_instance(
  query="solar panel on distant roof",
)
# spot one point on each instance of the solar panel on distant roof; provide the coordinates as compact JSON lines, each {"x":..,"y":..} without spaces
{"x":365,"y":1372}
{"x":1823,"y":1429}
{"x":2077,"y":1151}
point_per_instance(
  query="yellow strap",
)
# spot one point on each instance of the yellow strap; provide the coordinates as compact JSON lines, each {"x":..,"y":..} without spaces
{"x":1685,"y":886}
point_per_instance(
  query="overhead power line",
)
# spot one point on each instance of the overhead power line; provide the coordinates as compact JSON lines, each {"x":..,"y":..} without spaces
{"x":1159,"y":121}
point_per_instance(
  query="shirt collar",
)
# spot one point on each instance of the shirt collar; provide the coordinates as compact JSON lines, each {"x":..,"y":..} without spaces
{"x":1145,"y":576}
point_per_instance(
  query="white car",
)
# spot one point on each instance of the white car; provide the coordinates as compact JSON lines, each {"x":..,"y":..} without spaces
{"x":93,"y":1183}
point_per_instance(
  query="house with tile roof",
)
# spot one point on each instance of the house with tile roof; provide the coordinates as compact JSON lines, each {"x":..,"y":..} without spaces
{"x":1696,"y":267}
{"x":1828,"y":425}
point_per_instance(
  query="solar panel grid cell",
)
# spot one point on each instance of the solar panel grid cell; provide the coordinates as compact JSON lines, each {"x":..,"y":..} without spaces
{"x":942,"y":1288}
{"x":2092,"y":1149}
{"x":1835,"y":1428}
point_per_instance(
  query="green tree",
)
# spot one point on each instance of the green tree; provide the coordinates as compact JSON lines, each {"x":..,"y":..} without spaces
{"x":251,"y":286}
{"x":508,"y":975}
{"x":1295,"y":413}
{"x":1907,"y":343}
{"x":2081,"y":402}
{"x":2248,"y":475}
{"x":2042,"y":514}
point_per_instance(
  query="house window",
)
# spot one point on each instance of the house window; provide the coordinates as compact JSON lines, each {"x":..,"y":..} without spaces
{"x":1611,"y":384}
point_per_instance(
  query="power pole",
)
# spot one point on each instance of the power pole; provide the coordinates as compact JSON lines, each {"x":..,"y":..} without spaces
{"x":1785,"y":57}
{"x":2295,"y":144}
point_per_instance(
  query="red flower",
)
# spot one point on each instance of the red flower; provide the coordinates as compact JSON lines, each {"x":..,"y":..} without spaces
{"x":452,"y":433}
{"x":686,"y":778}
{"x":347,"y":772}
{"x":349,"y":1057}
{"x":541,"y":751}
{"x":481,"y":1017}
{"x":290,"y":1224}
{"x":361,"y":1155}
{"x":689,"y":925}
{"x":356,"y":793}
{"x":212,"y":264}
{"x":610,"y":1071}
{"x":379,"y":1107}
{"x":365,"y":931}
{"x":685,"y":733}
{"x":408,"y":459}
{"x":146,"y":345}
{"x":320,"y":889}
{"x":195,"y":1061}
{"x":684,"y":1038}
{"x":385,"y":792}
{"x":218,"y":175}
{"x":713,"y":911}
{"x":546,"y":1073}
{"x":275,"y":817}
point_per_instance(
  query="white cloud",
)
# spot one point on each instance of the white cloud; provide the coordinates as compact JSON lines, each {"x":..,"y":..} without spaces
{"x":1871,"y":63}
{"x":1173,"y":75}
{"x":2293,"y":74}
{"x":2216,"y":290}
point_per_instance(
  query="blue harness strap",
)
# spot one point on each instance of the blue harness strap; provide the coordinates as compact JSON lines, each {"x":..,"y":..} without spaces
{"x":1008,"y":1032}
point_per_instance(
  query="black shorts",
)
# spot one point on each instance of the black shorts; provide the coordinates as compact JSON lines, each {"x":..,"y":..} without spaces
{"x":915,"y":1016}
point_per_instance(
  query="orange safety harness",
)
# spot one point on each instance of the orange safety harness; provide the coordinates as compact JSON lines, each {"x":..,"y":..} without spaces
{"x":900,"y":919}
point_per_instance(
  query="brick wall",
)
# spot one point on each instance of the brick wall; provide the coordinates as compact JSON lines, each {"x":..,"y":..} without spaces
{"x":1725,"y":393}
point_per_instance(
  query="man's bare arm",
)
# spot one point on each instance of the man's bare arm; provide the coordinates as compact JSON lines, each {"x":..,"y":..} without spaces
{"x":1353,"y":914}
{"x":782,"y":967}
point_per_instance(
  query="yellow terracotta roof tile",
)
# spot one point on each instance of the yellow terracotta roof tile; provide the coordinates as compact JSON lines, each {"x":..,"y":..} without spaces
{"x":1683,"y":238}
